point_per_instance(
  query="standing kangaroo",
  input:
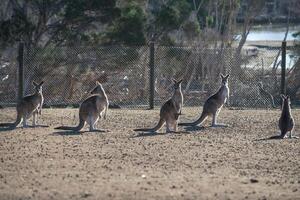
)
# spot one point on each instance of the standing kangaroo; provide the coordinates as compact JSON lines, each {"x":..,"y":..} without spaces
{"x":170,"y":111}
{"x":286,"y":121}
{"x":213,"y":105}
{"x":265,"y":95}
{"x":91,"y":109}
{"x":29,"y":105}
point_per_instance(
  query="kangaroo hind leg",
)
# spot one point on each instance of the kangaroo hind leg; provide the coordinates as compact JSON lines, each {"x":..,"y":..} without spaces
{"x":168,"y":126}
{"x":214,"y":121}
{"x":25,"y":121}
{"x":91,"y":123}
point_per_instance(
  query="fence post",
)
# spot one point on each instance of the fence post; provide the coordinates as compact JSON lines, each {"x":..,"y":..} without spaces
{"x":21,"y":71}
{"x":283,"y":67}
{"x":151,"y":74}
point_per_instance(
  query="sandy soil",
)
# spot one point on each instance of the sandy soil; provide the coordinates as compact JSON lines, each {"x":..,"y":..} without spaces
{"x":209,"y":163}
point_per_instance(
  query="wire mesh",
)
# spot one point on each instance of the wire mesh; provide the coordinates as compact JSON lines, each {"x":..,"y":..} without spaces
{"x":71,"y":72}
{"x":8,"y":77}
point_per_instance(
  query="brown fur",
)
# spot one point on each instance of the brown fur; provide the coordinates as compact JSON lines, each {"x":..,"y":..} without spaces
{"x":213,"y":105}
{"x":170,"y":111}
{"x":30,"y":105}
{"x":90,"y":109}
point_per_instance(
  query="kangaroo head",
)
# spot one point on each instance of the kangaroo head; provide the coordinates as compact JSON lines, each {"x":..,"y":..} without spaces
{"x":38,"y":87}
{"x":285,"y":99}
{"x":224,"y":79}
{"x":97,"y":89}
{"x":177,"y":84}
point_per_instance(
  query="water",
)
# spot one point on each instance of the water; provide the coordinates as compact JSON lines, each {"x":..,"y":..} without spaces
{"x":273,"y":32}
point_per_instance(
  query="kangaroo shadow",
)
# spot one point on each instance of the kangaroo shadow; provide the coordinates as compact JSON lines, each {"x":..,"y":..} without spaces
{"x":70,"y":133}
{"x":147,"y":134}
{"x":38,"y":126}
{"x":152,"y":134}
{"x":3,"y":129}
{"x":194,"y":128}
{"x":269,"y":138}
{"x":275,"y":137}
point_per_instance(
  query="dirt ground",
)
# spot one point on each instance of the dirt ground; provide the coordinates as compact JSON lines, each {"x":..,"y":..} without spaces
{"x":209,"y":163}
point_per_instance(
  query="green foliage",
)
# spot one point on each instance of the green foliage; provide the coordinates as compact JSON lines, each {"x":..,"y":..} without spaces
{"x":167,"y":41}
{"x":62,"y":22}
{"x":209,"y":21}
{"x":97,"y":9}
{"x":191,"y":28}
{"x":129,"y":27}
{"x":15,"y":28}
{"x":172,"y":14}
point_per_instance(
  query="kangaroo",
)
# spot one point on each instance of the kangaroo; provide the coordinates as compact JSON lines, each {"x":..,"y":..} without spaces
{"x":265,"y":95}
{"x":91,"y":109}
{"x":29,"y":105}
{"x":170,"y":111}
{"x":286,"y":121}
{"x":213,"y":105}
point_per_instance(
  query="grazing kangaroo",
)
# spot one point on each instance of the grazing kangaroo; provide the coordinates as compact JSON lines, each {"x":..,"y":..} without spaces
{"x":90,"y":109}
{"x":265,"y":95}
{"x":213,"y":105}
{"x":170,"y":111}
{"x":29,"y":105}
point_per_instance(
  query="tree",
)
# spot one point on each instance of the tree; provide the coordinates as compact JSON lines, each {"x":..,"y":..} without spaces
{"x":129,"y":28}
{"x":44,"y":22}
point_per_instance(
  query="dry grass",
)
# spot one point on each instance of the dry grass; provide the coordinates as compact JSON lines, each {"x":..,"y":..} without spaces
{"x":209,"y":163}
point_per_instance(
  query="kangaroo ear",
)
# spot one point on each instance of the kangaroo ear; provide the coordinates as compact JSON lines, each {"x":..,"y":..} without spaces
{"x":287,"y":97}
{"x":34,"y":83}
{"x":282,"y":96}
{"x":222,"y":76}
{"x":180,"y":81}
{"x":174,"y":80}
{"x":227,"y":76}
{"x":41,"y":83}
{"x":98,"y":83}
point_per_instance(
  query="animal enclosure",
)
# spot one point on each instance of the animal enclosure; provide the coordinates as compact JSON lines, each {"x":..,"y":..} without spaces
{"x":125,"y":72}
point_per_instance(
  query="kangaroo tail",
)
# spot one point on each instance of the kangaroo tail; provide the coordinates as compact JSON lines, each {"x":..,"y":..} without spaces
{"x":198,"y":121}
{"x":156,"y":128}
{"x":76,"y":128}
{"x":12,"y":125}
{"x":6,"y":124}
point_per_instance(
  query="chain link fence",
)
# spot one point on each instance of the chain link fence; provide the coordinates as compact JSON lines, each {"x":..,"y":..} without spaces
{"x":8,"y":77}
{"x":71,"y":72}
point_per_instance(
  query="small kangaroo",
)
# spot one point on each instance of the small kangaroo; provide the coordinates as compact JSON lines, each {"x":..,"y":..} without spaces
{"x":29,"y":105}
{"x":170,"y":111}
{"x":213,"y":105}
{"x":91,"y":109}
{"x":265,"y":95}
